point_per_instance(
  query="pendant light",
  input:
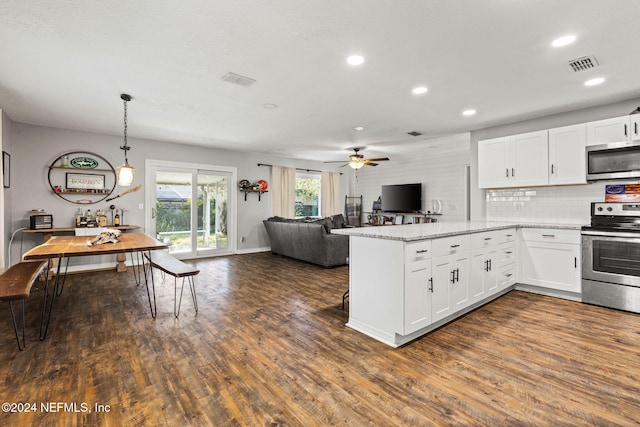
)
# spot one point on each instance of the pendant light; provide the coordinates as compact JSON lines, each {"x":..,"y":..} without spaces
{"x":125,"y":172}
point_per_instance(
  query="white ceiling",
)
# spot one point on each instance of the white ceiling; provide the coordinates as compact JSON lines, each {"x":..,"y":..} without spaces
{"x":64,"y":63}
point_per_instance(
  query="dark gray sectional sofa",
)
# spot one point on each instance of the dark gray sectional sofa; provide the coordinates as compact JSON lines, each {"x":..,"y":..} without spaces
{"x":309,"y":239}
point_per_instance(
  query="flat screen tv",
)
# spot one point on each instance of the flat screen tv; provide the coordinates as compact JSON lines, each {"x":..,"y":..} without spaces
{"x":402,"y":198}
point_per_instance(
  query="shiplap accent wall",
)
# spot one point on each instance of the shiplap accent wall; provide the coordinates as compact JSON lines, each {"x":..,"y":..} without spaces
{"x":439,"y":164}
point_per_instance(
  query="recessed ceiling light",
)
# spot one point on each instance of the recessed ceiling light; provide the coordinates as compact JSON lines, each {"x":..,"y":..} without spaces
{"x":563,"y":41}
{"x":355,"y":60}
{"x":358,"y":128}
{"x":270,"y":106}
{"x":594,"y":82}
{"x":419,"y":90}
{"x":469,"y":113}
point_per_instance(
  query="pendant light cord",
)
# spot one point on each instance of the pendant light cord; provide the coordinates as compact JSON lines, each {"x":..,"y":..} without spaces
{"x":125,"y":147}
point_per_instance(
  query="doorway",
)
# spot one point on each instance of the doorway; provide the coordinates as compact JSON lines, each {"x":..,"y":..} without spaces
{"x":192,"y":208}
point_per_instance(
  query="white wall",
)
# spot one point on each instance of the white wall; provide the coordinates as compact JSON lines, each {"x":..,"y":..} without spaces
{"x":6,"y":144}
{"x":439,"y":164}
{"x":569,"y":204}
{"x":36,"y":147}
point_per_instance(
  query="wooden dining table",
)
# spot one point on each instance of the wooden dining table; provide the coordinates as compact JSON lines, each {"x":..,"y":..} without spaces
{"x":59,"y":247}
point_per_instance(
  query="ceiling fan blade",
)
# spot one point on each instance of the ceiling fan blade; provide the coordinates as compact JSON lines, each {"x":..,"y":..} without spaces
{"x":370,"y":164}
{"x":381,"y":159}
{"x":335,"y":161}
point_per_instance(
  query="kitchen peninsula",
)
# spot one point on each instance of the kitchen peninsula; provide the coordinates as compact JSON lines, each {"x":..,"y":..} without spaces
{"x":405,"y":281}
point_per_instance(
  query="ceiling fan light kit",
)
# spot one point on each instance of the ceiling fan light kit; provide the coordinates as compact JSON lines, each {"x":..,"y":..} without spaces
{"x":356,"y":161}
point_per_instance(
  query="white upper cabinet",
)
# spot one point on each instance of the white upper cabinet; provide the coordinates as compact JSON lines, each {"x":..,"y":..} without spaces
{"x":567,"y":159}
{"x":617,"y":129}
{"x":493,"y":163}
{"x":531,"y":158}
{"x":513,"y":161}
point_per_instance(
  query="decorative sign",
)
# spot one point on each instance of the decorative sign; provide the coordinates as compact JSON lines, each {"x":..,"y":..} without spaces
{"x":84,"y":163}
{"x":84,"y":182}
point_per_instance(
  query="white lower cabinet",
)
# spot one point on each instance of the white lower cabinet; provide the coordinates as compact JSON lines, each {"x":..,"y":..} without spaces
{"x":493,"y":260}
{"x":400,"y":290}
{"x":450,"y":276}
{"x":506,"y":273}
{"x":418,"y":288}
{"x":550,"y":258}
{"x":450,"y":286}
{"x":484,"y":277}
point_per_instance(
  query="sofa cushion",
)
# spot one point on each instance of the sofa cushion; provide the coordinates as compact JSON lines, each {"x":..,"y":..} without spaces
{"x":337,"y":221}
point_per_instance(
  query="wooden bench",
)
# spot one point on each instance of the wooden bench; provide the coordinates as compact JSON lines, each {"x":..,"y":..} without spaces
{"x":15,"y":284}
{"x":167,"y":263}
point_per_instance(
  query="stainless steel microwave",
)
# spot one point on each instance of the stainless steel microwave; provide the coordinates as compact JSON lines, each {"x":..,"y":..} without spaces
{"x":616,"y":160}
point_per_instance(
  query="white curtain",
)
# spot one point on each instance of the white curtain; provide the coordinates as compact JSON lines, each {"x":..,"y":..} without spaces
{"x":283,"y":189}
{"x":329,"y":190}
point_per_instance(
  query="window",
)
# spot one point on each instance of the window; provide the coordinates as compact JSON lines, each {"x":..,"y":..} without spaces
{"x":307,"y":195}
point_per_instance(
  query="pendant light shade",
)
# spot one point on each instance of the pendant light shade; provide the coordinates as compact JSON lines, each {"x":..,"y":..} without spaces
{"x":125,"y":175}
{"x":125,"y":172}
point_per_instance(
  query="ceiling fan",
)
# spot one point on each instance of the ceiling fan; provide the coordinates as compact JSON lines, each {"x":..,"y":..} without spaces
{"x":357,"y":160}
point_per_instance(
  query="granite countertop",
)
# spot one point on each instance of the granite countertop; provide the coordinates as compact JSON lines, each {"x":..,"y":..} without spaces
{"x":411,"y":232}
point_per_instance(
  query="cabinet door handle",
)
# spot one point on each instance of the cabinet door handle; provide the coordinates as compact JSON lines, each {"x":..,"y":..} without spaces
{"x":488,"y":238}
{"x":635,"y":129}
{"x":507,"y":172}
{"x":453,"y":277}
{"x":486,"y":265}
{"x":513,"y":173}
{"x":422,"y":251}
{"x":551,"y":236}
{"x":575,"y":262}
{"x":625,"y":130}
{"x":455,"y":246}
{"x":508,"y":275}
{"x":509,"y":235}
{"x":490,"y":266}
{"x":431,"y":284}
{"x":508,"y":252}
{"x":457,"y":274}
{"x":551,"y":168}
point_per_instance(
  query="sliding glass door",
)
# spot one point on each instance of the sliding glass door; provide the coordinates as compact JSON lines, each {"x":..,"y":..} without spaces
{"x":192,"y":208}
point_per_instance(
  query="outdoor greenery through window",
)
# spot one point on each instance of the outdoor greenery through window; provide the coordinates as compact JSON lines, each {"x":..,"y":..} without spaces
{"x":307,"y":195}
{"x":175,"y":203}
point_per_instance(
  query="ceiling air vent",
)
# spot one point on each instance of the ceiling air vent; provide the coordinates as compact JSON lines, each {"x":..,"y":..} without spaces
{"x":414,"y":133}
{"x":584,"y":63}
{"x":237,"y":79}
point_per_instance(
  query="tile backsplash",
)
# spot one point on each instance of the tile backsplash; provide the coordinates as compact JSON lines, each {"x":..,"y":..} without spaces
{"x":561,"y":204}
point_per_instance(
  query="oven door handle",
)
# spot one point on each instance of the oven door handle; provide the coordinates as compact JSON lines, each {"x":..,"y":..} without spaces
{"x":611,"y":234}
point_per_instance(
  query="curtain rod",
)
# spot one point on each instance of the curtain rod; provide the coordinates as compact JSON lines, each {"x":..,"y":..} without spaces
{"x":298,"y":169}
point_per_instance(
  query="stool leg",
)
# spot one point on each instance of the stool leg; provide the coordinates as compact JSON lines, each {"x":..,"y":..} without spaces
{"x":15,"y":326}
{"x":344,"y":297}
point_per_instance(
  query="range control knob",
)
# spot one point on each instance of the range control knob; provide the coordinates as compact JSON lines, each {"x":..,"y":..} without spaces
{"x":599,"y":209}
{"x":609,"y":209}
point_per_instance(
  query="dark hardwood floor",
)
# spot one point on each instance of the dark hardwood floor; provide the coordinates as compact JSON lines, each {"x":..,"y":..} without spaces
{"x":269,"y":346}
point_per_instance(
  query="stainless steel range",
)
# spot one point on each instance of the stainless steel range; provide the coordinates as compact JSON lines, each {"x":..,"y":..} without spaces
{"x":611,"y":256}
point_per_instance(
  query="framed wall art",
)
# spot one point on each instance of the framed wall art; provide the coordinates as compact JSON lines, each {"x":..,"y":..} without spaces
{"x":80,"y":181}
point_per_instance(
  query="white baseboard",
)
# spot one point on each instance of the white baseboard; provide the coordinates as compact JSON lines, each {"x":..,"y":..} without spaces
{"x":253,"y":250}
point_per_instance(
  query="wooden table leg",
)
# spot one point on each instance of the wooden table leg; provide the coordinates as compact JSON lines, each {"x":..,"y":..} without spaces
{"x":53,"y":263}
{"x":121,"y":258}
